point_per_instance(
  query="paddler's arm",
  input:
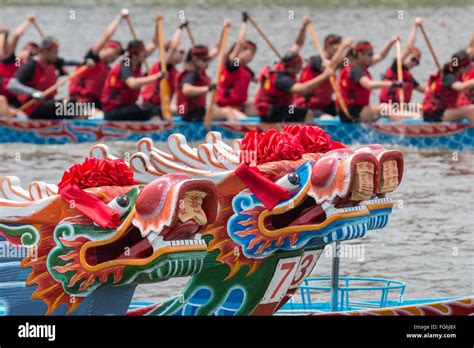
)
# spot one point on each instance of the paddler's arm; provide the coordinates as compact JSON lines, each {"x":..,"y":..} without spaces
{"x":175,"y":40}
{"x":340,"y":53}
{"x":300,"y":38}
{"x":18,"y":33}
{"x":460,"y":86}
{"x":155,"y":42}
{"x":411,"y":38}
{"x":214,"y":51}
{"x":139,"y":82}
{"x":371,"y":84}
{"x":108,"y":33}
{"x":240,"y":38}
{"x":383,"y":53}
{"x":308,"y":86}
{"x":3,"y":42}
{"x":190,"y":90}
{"x":470,"y":48}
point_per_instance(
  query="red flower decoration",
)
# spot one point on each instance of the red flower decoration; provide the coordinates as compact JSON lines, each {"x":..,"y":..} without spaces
{"x":95,"y":172}
{"x":289,"y":144}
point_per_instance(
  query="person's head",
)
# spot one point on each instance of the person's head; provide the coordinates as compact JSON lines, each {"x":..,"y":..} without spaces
{"x":198,"y":57}
{"x":177,"y":55}
{"x":247,"y":53}
{"x":111,"y":51}
{"x":49,"y":49}
{"x":331,"y":44}
{"x":363,"y":52}
{"x":136,"y":51}
{"x":292,"y":63}
{"x":459,"y":64}
{"x":413,"y":58}
{"x":28,"y":51}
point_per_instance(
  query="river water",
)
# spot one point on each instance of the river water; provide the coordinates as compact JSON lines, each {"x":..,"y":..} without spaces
{"x":429,"y":243}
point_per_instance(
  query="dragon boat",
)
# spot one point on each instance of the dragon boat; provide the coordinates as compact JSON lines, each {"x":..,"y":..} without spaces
{"x":247,"y":222}
{"x":411,"y":133}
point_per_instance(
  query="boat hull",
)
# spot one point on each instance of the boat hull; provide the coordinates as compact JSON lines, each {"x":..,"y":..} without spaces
{"x":452,"y":136}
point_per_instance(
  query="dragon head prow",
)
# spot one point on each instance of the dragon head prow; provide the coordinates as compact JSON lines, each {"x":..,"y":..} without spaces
{"x":157,"y":237}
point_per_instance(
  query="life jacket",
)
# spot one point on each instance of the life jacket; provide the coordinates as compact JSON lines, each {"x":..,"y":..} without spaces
{"x":43,"y":78}
{"x":87,"y":86}
{"x":151,"y":92}
{"x":320,"y":97}
{"x":268,"y":94}
{"x":233,"y":86}
{"x":7,"y":70}
{"x":437,"y":97}
{"x":186,"y":104}
{"x":116,"y":92}
{"x":388,"y":94}
{"x":467,"y":97}
{"x":352,"y":92}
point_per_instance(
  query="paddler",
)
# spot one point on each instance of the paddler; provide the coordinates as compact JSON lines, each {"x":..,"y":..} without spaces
{"x":278,"y":85}
{"x":356,"y":84}
{"x":466,"y":97}
{"x":36,"y":76}
{"x":124,"y":81}
{"x":9,"y":62}
{"x":193,"y":84}
{"x":150,"y":93}
{"x":410,"y":58}
{"x":443,"y":88}
{"x":87,"y":87}
{"x":236,"y":76}
{"x":320,"y":101}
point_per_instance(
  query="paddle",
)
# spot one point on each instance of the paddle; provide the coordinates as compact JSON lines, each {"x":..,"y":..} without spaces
{"x":401,"y":93}
{"x":164,"y":84}
{"x":208,"y":115}
{"x":332,"y":78}
{"x":56,"y":86}
{"x":430,"y":47}
{"x":190,"y":33}
{"x":264,"y":36}
{"x":131,"y":27}
{"x":38,"y":29}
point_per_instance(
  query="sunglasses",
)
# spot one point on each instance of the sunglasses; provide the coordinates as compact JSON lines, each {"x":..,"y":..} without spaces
{"x":369,"y":53}
{"x":415,"y":60}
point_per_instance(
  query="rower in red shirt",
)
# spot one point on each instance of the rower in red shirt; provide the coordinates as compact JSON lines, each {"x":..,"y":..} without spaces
{"x":356,"y":84}
{"x":9,"y":62}
{"x":122,"y":86}
{"x":87,"y":87}
{"x":193,"y":84}
{"x":320,"y":101}
{"x":278,"y":85}
{"x":467,"y":97}
{"x":36,"y":76}
{"x":236,"y":76}
{"x":151,"y":93}
{"x":442,"y":91}
{"x":410,"y":58}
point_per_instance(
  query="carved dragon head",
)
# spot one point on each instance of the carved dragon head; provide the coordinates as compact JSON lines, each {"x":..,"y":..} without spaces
{"x":156,"y":235}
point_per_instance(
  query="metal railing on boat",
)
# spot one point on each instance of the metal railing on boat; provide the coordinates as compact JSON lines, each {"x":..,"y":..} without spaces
{"x":383,"y":293}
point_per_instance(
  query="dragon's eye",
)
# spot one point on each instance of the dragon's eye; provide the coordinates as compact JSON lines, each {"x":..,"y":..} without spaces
{"x":294,"y":178}
{"x":120,"y":204}
{"x":123,"y":201}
